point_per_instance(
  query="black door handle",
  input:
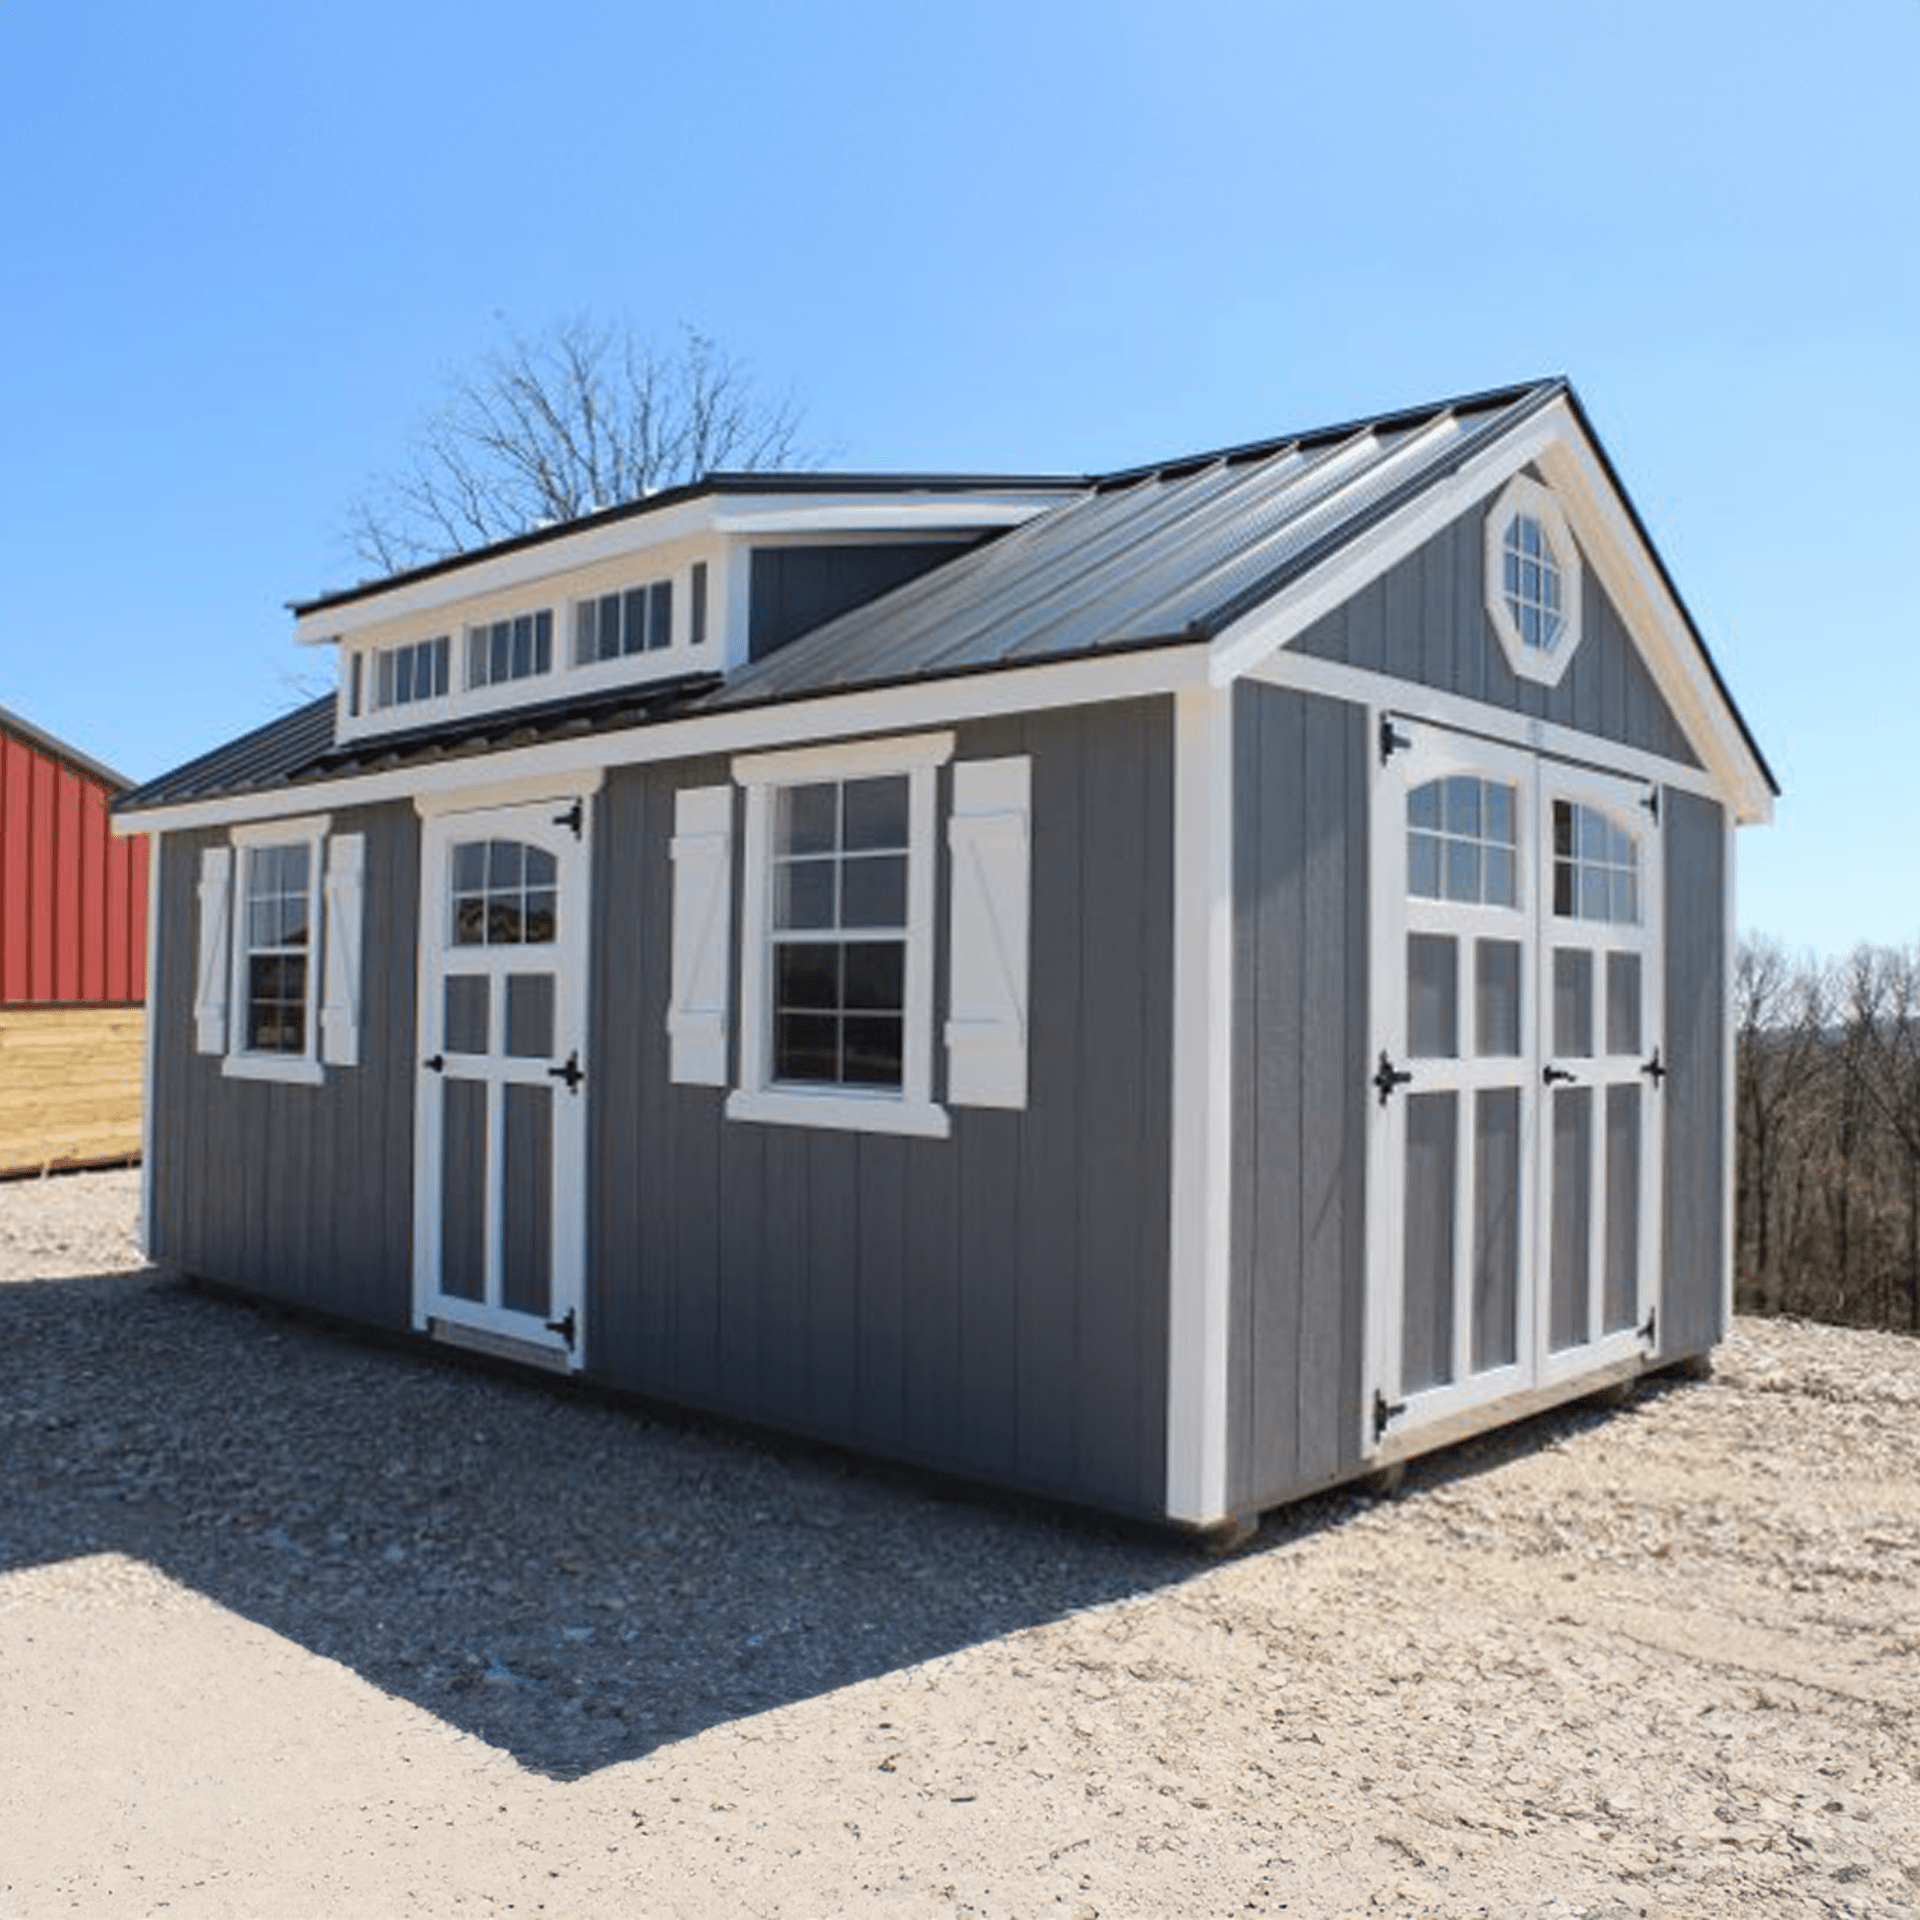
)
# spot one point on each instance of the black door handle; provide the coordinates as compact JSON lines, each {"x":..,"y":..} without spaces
{"x":1550,"y":1073}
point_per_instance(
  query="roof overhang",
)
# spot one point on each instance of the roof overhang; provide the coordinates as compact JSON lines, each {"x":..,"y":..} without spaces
{"x":1558,"y":441}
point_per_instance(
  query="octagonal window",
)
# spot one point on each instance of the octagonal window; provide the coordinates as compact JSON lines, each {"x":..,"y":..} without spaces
{"x":1533,"y":580}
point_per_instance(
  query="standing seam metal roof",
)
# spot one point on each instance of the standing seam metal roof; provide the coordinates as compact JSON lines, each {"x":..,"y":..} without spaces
{"x":1150,"y":556}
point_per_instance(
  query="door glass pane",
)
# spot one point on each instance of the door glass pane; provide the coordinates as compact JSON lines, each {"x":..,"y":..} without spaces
{"x":1622,"y":1298}
{"x":530,"y":1016}
{"x":1433,"y":996}
{"x":1623,"y":1003}
{"x":466,"y":1013}
{"x":1426,"y":1333}
{"x":1496,"y":993}
{"x":1496,"y":1228}
{"x":1572,"y":1002}
{"x":463,"y":1190}
{"x":526,"y":1213}
{"x":1570,"y":1209}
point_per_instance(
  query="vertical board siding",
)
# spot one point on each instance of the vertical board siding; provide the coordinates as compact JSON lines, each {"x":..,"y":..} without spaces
{"x":1692,"y":1301}
{"x":993,"y":1304}
{"x":795,"y":589}
{"x":1299,"y":1074}
{"x":73,"y":897}
{"x":1425,"y":620}
{"x":304,"y":1193}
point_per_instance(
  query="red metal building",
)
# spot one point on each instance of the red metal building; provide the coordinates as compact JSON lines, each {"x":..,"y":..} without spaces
{"x":73,"y":929}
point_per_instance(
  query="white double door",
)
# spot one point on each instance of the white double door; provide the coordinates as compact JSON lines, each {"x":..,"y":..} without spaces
{"x":1516,"y":1141}
{"x":501,"y":1091}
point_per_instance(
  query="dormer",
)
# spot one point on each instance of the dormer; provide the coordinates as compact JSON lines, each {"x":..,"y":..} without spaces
{"x":687,"y":583}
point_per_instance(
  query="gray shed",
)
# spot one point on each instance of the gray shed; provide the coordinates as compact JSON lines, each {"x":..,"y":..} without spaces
{"x":1170,"y":989}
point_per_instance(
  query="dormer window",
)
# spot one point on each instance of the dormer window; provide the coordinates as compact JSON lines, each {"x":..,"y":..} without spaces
{"x":405,"y":675}
{"x":515,"y":649}
{"x":1533,"y":581}
{"x":638,"y":620}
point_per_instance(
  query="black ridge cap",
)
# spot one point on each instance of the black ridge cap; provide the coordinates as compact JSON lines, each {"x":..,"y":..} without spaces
{"x":1403,"y":418}
{"x":55,"y":748}
{"x":720,"y":481}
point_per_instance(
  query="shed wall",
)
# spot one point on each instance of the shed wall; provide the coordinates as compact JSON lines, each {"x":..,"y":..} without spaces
{"x":303,"y":1193}
{"x":1298,"y":1230}
{"x":1425,"y":620}
{"x":73,"y":897}
{"x":993,"y":1304}
{"x":1693,"y":1306}
{"x":798,"y":588}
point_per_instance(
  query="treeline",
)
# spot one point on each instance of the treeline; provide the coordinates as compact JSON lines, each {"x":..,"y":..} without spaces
{"x":1828,"y":1089}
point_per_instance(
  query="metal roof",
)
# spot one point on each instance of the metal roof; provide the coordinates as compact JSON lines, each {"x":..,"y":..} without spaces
{"x":1161,"y":554}
{"x":57,"y":749}
{"x":1146,"y":557}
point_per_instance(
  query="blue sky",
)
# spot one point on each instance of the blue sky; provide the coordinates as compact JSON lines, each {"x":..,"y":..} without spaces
{"x":244,"y":244}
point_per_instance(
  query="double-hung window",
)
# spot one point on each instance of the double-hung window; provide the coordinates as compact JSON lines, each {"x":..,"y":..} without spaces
{"x":837,"y":950}
{"x":277,"y":994}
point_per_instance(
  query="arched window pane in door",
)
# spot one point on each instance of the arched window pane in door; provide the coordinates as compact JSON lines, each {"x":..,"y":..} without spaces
{"x":1462,"y":840}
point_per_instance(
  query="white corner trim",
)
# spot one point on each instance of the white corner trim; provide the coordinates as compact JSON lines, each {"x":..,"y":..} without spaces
{"x":845,"y":760}
{"x":1523,"y":496}
{"x":293,"y":826}
{"x":1729,"y":1079}
{"x":839,"y":1112}
{"x":580,"y":784}
{"x":1199,"y":1278}
{"x":150,"y":1049}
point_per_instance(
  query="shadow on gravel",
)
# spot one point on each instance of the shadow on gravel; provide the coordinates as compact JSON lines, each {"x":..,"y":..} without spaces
{"x":573,"y":1582}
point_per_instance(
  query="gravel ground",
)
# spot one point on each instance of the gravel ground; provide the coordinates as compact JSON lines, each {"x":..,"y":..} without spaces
{"x":294,"y":1624}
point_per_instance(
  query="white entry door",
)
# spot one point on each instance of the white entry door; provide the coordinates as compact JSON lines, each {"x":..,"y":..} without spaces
{"x":1515,"y":1093}
{"x":499,"y":1176}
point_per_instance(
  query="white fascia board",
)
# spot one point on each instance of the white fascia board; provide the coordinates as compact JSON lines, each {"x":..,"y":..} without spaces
{"x":787,"y":723}
{"x":1552,"y":438}
{"x":729,"y":515}
{"x":507,"y":572}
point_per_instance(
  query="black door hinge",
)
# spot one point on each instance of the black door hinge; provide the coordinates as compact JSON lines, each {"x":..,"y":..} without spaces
{"x":1646,"y":1332}
{"x":571,"y":1072}
{"x":1550,"y":1073}
{"x":437,"y":1064}
{"x":1386,"y":1076}
{"x":1385,"y":1411}
{"x":575,"y":818}
{"x":1392,"y":740}
{"x":1653,"y":1069}
{"x":563,"y":1326}
{"x":1651,"y":801}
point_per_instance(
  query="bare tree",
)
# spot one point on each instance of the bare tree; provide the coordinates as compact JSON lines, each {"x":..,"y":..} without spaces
{"x":557,"y":425}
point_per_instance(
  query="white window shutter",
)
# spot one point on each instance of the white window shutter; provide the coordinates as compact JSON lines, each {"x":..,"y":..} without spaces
{"x":987,"y":994}
{"x":210,"y":990}
{"x":702,"y":935}
{"x":340,"y":1010}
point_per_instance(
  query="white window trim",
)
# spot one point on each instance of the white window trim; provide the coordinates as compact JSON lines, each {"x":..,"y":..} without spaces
{"x":298,"y":1069}
{"x":758,"y":1097}
{"x":1522,"y":495}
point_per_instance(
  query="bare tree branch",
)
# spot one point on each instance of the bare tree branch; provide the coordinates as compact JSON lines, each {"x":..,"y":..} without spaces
{"x":554,"y":426}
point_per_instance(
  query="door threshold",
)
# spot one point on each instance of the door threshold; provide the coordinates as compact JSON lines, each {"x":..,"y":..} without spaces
{"x":1451,"y":1428}
{"x":500,"y":1346}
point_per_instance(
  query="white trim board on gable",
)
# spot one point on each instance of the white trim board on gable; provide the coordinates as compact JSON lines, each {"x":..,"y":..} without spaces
{"x":1556,"y":443}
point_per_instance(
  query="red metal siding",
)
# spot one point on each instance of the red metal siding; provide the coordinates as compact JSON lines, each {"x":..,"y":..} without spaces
{"x":73,"y":899}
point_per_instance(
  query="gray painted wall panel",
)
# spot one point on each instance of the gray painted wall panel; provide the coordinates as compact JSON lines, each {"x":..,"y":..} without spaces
{"x":1425,"y":620}
{"x":1691,"y":1315}
{"x":993,"y":1304}
{"x":796,"y":589}
{"x":1299,"y":1172}
{"x":301,"y":1193}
